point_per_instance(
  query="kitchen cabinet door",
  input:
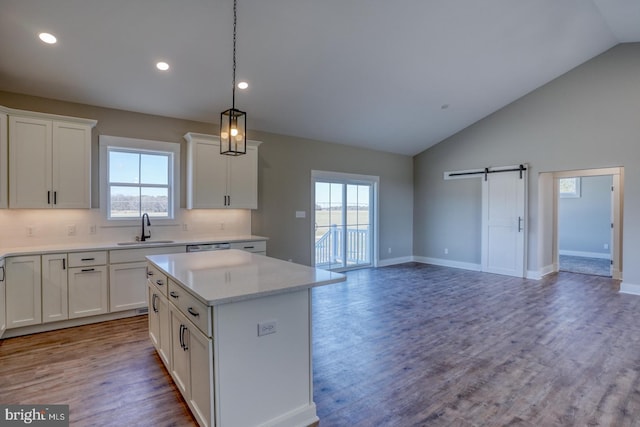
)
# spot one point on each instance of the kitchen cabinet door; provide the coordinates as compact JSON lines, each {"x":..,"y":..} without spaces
{"x":179,"y":352}
{"x":55,"y":305}
{"x":3,"y":306}
{"x":192,"y":365}
{"x":23,"y":291}
{"x":127,"y":286}
{"x":30,"y":159}
{"x":88,"y":291}
{"x":159,"y":327}
{"x":242,"y":184}
{"x":4,"y":153}
{"x":71,"y":168}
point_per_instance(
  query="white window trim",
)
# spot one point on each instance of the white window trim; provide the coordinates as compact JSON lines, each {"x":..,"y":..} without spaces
{"x":107,"y":141}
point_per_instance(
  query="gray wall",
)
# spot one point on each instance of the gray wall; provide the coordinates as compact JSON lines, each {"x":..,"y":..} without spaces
{"x":585,"y":119}
{"x":285,"y":183}
{"x":584,"y":223}
{"x":284,"y":165}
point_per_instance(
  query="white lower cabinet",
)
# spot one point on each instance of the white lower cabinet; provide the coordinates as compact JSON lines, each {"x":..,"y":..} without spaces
{"x":88,"y":291}
{"x":24,"y":291}
{"x":159,"y":324}
{"x":192,"y":365}
{"x":3,"y":306}
{"x":55,"y":288}
{"x":127,"y":286}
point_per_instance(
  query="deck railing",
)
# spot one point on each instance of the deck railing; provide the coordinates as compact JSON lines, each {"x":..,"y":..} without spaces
{"x":329,"y":247}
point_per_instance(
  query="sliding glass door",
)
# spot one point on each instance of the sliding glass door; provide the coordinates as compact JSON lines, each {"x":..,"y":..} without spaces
{"x":343,"y":228}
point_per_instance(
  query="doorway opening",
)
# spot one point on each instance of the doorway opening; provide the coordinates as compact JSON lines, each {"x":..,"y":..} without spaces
{"x":344,"y":218}
{"x":585,"y":215}
{"x":587,"y":225}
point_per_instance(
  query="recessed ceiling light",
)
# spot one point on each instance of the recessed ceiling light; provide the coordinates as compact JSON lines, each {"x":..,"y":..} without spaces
{"x":48,"y":38}
{"x":243,"y":85}
{"x":162,"y":66}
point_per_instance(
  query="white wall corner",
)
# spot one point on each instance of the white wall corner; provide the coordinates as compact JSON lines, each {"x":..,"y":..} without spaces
{"x":448,"y":263}
{"x":539,"y":274}
{"x":629,"y":288}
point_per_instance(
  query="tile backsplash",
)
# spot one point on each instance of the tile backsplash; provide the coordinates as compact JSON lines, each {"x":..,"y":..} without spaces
{"x":35,"y":227}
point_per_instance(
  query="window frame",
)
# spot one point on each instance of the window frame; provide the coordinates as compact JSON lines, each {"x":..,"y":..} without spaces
{"x":139,"y":146}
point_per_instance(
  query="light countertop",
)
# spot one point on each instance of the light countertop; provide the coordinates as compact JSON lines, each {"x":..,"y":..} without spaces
{"x":98,"y":246}
{"x":220,"y":277}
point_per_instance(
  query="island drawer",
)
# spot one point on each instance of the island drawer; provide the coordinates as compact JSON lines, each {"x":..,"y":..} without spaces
{"x":158,"y":279}
{"x":258,"y":246}
{"x":194,"y":310}
{"x":82,"y":259}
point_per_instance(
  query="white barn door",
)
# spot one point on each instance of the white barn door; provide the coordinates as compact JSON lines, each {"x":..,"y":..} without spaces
{"x":504,"y":222}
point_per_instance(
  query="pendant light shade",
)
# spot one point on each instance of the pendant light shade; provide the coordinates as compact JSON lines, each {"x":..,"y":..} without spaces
{"x":233,"y":132}
{"x":233,"y":122}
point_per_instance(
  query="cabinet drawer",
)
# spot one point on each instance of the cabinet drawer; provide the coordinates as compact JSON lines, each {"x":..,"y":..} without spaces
{"x":81,"y":259}
{"x":259,"y":246}
{"x":156,"y":278}
{"x":194,"y":310}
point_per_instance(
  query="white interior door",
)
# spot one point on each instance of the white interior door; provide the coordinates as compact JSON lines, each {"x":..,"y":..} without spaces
{"x":504,"y":223}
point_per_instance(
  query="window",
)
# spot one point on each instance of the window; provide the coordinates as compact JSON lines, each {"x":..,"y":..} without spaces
{"x":570,"y":187}
{"x":138,"y":177}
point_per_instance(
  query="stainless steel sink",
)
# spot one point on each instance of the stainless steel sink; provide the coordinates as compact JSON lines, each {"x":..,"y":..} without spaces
{"x":146,"y":242}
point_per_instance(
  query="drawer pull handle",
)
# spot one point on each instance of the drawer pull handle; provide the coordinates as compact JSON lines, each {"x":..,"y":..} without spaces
{"x":249,"y":247}
{"x":174,"y":295}
{"x":193,"y":312}
{"x":87,"y":269}
{"x":159,"y":282}
{"x":87,"y":259}
{"x":149,"y":273}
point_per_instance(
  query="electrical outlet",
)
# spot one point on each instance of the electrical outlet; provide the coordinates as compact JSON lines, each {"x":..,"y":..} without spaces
{"x":606,"y":246}
{"x":30,"y":230}
{"x":222,"y":226}
{"x":446,"y":251}
{"x":92,"y":229}
{"x":268,"y":327}
{"x":71,"y":230}
{"x":389,"y":251}
{"x":185,"y":227}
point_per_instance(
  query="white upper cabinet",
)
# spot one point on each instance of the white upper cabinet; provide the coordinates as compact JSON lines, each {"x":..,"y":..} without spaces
{"x":4,"y":153}
{"x":218,"y":181}
{"x":49,"y":161}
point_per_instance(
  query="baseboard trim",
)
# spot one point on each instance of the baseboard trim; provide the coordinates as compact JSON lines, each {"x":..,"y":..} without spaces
{"x":539,"y":274}
{"x":629,"y":288}
{"x":393,"y":261}
{"x":46,"y":327}
{"x":599,"y":255}
{"x":448,"y":263}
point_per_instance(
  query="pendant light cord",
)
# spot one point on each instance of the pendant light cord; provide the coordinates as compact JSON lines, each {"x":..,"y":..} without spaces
{"x":235,"y":20}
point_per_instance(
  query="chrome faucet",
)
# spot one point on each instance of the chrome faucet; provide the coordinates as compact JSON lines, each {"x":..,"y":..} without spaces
{"x":144,"y":236}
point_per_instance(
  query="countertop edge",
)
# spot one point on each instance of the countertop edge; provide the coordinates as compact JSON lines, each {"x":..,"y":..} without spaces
{"x":108,"y":246}
{"x":260,"y":294}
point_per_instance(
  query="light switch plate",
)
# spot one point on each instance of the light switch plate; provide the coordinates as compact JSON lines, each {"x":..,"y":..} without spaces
{"x":267,"y":327}
{"x":301,"y":214}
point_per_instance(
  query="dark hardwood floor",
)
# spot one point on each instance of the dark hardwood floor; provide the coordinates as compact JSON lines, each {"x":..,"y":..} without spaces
{"x":408,"y":345}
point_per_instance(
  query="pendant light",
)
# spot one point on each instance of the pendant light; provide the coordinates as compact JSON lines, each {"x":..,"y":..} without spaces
{"x":233,"y":122}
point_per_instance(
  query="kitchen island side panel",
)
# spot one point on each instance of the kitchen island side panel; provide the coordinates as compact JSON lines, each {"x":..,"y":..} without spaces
{"x":264,"y":379}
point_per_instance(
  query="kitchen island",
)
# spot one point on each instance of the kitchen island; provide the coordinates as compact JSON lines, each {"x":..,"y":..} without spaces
{"x":234,"y":331}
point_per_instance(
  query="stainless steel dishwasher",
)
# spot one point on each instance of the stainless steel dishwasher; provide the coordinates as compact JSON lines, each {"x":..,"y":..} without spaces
{"x":203,"y":247}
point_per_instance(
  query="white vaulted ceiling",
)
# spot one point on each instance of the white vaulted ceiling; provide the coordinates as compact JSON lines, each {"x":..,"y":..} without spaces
{"x":367,"y":73}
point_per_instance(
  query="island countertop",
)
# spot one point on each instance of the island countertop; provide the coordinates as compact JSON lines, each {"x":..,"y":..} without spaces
{"x":219,"y":277}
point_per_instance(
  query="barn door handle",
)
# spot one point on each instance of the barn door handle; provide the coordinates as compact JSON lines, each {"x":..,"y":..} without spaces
{"x":519,"y":224}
